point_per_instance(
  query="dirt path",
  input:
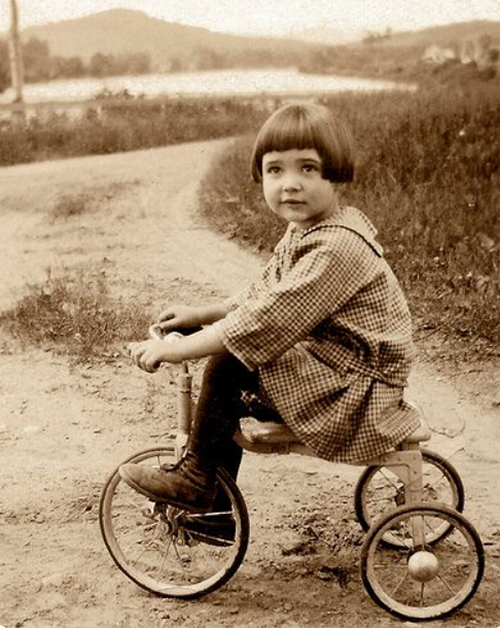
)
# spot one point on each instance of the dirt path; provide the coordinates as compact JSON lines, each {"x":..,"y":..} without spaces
{"x":64,"y":427}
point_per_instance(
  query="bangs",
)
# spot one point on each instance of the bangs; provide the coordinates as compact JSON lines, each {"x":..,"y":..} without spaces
{"x":286,"y":135}
{"x":303,"y":126}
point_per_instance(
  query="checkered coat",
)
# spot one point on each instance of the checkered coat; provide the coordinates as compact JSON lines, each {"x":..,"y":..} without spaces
{"x":328,"y":328}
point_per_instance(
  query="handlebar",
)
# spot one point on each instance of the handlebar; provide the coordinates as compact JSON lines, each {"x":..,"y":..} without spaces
{"x":157,"y":333}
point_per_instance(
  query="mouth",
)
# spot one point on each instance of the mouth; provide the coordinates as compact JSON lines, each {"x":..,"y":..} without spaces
{"x":291,"y":201}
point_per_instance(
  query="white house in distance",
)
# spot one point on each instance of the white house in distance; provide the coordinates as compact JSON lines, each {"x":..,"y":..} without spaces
{"x":478,"y":51}
{"x":436,"y":54}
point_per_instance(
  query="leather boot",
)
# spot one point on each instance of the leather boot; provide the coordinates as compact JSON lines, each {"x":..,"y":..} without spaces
{"x":190,"y":484}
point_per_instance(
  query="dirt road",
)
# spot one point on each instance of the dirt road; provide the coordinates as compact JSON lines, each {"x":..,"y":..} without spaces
{"x":64,"y":427}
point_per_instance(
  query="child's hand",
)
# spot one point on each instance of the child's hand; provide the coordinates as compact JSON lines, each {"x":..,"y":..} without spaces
{"x":149,"y":354}
{"x":179,"y":317}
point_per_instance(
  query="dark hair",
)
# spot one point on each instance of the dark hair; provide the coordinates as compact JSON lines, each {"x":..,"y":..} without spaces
{"x":307,"y":125}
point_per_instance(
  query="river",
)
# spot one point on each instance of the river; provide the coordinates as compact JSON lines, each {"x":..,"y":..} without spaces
{"x":217,"y":82}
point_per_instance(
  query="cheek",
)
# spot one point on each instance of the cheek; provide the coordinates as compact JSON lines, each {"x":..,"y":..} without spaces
{"x":269,"y":191}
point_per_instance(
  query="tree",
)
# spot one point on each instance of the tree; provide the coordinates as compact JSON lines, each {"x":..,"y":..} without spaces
{"x":36,"y":59}
{"x":16,"y":58}
{"x":138,"y":63}
{"x":101,"y":65}
{"x":66,"y":67}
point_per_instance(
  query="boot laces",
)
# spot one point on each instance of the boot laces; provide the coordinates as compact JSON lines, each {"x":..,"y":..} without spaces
{"x":178,"y":466}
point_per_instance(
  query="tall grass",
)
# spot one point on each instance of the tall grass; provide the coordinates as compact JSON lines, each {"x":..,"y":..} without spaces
{"x":117,"y":127}
{"x":428,"y":175}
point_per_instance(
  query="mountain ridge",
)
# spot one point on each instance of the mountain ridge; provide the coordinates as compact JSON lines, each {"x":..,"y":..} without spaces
{"x":446,"y":34}
{"x":125,"y":31}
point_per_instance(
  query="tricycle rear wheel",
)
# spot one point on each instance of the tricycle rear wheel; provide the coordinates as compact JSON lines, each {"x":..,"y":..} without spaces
{"x":379,"y":490}
{"x":422,"y":582}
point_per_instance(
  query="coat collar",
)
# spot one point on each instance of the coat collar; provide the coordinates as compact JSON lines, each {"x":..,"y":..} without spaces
{"x":352,"y":219}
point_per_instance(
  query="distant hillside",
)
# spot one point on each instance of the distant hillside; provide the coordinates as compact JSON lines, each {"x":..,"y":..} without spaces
{"x":122,"y":31}
{"x":441,"y":54}
{"x":70,"y":48}
{"x":443,"y":36}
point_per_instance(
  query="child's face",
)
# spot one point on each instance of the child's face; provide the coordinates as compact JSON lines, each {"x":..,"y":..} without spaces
{"x":294,"y":187}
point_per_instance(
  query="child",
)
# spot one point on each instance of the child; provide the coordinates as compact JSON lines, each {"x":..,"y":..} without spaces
{"x":323,"y":337}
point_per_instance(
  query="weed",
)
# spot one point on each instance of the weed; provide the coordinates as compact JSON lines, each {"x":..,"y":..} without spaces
{"x":75,"y":314}
{"x":68,"y":206}
{"x":87,"y":200}
{"x":113,"y":128}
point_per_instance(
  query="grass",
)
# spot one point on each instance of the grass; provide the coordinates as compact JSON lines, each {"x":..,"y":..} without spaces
{"x":86,"y":201}
{"x":70,"y":205}
{"x":429,"y":177}
{"x":74,"y":314}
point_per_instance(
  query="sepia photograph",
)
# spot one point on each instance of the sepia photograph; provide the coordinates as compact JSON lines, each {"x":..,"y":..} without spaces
{"x":249,"y":313}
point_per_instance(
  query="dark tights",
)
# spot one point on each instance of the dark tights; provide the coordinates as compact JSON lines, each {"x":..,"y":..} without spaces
{"x":220,"y":408}
{"x":219,"y":411}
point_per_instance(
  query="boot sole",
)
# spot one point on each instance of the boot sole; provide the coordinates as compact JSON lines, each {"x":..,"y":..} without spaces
{"x":158,"y":499}
{"x":211,"y":534}
{"x":207,"y":539}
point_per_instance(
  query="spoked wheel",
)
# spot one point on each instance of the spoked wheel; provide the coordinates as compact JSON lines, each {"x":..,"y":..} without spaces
{"x":422,"y":582}
{"x":169,"y":551}
{"x":379,"y":490}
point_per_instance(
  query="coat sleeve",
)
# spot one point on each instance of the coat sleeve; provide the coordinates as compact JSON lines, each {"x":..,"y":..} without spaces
{"x":325,"y":274}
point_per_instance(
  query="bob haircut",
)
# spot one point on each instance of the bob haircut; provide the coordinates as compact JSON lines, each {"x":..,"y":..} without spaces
{"x":307,"y":125}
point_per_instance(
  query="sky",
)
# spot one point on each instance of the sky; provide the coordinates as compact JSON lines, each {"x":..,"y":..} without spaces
{"x":269,"y":17}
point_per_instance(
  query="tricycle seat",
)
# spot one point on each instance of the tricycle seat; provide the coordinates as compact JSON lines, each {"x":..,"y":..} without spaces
{"x":273,"y":433}
{"x":267,"y":432}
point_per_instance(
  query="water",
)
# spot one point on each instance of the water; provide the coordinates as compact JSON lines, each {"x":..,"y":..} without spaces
{"x":218,"y":82}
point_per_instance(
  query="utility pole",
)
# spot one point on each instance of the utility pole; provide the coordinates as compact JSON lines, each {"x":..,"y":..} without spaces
{"x":16,"y":66}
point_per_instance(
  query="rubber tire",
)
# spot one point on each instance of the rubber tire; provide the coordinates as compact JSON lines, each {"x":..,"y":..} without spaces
{"x":187,"y":591}
{"x":456,"y":519}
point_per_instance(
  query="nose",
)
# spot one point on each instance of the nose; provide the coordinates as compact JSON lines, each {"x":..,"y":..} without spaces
{"x":291,"y":183}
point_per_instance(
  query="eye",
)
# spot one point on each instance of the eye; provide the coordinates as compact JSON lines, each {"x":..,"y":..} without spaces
{"x":273,"y":169}
{"x":310,"y":168}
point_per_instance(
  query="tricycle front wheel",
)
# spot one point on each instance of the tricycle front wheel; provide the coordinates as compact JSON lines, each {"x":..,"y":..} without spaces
{"x":169,"y":551}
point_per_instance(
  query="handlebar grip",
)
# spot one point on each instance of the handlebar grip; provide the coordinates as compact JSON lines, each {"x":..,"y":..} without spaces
{"x":156,"y":332}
